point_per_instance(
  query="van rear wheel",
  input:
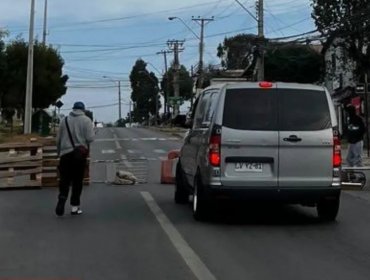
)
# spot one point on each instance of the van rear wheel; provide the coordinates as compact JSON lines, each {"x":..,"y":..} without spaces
{"x":182,"y":190}
{"x":200,"y":203}
{"x":327,"y":209}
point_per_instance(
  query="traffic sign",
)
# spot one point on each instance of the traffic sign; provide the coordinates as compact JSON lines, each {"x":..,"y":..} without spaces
{"x":59,"y":104}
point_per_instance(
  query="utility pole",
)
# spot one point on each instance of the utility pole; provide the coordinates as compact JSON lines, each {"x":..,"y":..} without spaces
{"x":130,"y":116}
{"x":119,"y":93}
{"x":261,"y":58}
{"x":367,"y":115}
{"x":176,"y":46}
{"x":44,"y":33}
{"x":165,"y":52}
{"x":201,"y":22}
{"x":119,"y":101}
{"x":28,"y":102}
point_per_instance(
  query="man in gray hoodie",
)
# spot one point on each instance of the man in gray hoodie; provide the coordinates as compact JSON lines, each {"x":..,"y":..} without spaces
{"x":71,"y":170}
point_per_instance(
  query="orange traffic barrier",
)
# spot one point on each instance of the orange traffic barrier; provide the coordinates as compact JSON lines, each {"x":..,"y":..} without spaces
{"x":173,"y":154}
{"x":167,"y":176}
{"x":167,"y":167}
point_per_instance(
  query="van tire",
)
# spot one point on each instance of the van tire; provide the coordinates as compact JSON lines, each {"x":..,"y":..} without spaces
{"x":200,"y":202}
{"x":182,"y":190}
{"x":327,"y":209}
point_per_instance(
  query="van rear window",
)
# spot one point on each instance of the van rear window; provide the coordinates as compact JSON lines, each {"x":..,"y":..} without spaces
{"x":276,"y":109}
{"x":303,"y":110}
{"x":250,"y":109}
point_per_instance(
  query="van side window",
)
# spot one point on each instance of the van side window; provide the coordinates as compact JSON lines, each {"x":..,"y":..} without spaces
{"x":205,"y":109}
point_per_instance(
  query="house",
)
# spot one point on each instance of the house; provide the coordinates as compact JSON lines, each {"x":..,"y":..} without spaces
{"x":340,"y":79}
{"x":339,"y":68}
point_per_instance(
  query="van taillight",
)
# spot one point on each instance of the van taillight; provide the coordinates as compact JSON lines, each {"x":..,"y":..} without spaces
{"x":214,"y":154}
{"x":337,"y":155}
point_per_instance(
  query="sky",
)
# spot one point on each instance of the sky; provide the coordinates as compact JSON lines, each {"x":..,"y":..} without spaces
{"x":100,"y":40}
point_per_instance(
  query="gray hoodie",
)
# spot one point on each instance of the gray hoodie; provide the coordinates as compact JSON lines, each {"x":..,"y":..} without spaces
{"x":81,"y":129}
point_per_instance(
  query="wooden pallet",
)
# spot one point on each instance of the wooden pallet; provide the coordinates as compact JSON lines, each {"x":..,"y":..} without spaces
{"x":50,"y":162}
{"x":20,"y":165}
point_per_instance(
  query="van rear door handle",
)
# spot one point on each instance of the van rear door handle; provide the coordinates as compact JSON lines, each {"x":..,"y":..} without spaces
{"x":293,"y":138}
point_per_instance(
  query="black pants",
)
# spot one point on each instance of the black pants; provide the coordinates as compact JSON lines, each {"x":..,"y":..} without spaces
{"x":71,"y":173}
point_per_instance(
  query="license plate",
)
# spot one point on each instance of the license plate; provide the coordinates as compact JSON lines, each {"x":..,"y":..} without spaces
{"x":248,"y":167}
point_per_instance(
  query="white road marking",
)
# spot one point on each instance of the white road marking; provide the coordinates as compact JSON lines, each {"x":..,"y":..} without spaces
{"x":108,"y":151}
{"x":159,"y":151}
{"x":118,"y":145}
{"x":193,"y":261}
{"x":162,"y":139}
{"x":123,"y":157}
{"x":128,"y":164}
{"x":131,"y":151}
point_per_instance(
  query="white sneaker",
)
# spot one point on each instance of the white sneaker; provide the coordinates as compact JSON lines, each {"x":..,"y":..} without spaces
{"x":76,"y":210}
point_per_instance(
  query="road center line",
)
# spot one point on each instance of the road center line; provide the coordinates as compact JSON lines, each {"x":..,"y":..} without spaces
{"x":118,"y":145}
{"x":193,"y":261}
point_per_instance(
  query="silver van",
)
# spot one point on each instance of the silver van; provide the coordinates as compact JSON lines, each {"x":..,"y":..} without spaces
{"x":262,"y":141}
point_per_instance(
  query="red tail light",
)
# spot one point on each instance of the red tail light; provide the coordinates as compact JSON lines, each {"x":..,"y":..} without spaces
{"x":265,"y":84}
{"x":337,"y":154}
{"x":214,"y":154}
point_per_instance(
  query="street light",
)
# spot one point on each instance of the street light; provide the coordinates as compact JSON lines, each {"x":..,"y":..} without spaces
{"x":119,"y":95}
{"x":187,"y":26}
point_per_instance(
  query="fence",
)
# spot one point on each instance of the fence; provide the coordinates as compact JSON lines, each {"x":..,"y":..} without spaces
{"x":20,"y":165}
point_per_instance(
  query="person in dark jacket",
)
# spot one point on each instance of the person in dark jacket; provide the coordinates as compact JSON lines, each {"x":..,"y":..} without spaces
{"x":71,"y":169}
{"x":355,"y":134}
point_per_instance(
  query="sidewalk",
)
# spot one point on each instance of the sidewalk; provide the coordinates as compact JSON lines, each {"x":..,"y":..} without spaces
{"x":175,"y":131}
{"x":365,"y":157}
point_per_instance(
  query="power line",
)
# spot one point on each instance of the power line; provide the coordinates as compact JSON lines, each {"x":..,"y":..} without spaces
{"x":73,"y":24}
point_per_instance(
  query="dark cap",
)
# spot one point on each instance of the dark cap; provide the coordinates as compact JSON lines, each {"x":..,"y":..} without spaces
{"x":79,"y":106}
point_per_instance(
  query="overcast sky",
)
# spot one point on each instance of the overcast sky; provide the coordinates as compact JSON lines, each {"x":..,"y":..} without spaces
{"x":100,"y":38}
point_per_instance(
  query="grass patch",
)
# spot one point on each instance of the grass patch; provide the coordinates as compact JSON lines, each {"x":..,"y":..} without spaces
{"x":17,"y":138}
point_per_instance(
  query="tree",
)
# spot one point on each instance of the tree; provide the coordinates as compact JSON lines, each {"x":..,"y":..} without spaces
{"x":48,"y":84}
{"x":185,"y":83}
{"x":293,"y":63}
{"x":349,"y":21}
{"x":238,"y":52}
{"x":90,"y":115}
{"x":144,"y":85}
{"x":283,"y":61}
{"x":2,"y":64}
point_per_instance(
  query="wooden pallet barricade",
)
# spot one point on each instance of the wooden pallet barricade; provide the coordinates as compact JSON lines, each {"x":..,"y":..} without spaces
{"x":20,"y":165}
{"x":50,"y":162}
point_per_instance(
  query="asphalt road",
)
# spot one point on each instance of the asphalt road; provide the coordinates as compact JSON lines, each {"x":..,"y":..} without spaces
{"x":137,"y":232}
